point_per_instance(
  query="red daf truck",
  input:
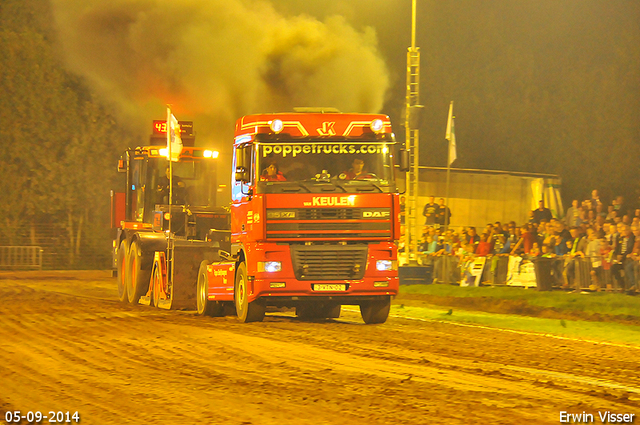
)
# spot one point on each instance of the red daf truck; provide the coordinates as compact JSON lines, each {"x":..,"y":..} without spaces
{"x":314,"y":218}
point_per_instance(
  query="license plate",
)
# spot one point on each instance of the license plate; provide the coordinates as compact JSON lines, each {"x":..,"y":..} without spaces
{"x":330,"y":287}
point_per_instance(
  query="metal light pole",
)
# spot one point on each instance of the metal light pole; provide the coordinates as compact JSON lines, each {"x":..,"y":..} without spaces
{"x":412,"y":118}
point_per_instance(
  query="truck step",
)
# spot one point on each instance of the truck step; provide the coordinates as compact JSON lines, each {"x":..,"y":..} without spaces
{"x":145,"y":300}
{"x":166,"y":304}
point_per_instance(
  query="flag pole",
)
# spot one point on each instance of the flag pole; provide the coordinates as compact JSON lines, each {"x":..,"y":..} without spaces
{"x":445,"y":277}
{"x":170,"y":159}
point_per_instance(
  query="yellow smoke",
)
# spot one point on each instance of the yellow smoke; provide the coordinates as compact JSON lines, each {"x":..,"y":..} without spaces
{"x":216,"y":60}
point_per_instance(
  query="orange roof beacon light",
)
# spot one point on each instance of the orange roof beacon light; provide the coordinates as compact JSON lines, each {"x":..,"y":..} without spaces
{"x":276,"y":126}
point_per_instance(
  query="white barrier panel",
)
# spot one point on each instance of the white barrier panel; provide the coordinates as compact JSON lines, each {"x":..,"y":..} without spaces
{"x":521,"y":273}
{"x":472,"y":271}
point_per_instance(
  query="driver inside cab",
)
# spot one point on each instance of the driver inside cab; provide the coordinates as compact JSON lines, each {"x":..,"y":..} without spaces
{"x":356,"y":172}
{"x":272,"y":173}
{"x":179,"y":188}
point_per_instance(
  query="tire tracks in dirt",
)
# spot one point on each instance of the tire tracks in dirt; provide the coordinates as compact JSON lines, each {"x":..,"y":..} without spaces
{"x":62,"y":344}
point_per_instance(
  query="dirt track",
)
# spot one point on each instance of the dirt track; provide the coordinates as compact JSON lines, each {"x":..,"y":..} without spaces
{"x":67,"y":344}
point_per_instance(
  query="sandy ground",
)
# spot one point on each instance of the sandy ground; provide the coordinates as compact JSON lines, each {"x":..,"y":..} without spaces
{"x":67,"y":344}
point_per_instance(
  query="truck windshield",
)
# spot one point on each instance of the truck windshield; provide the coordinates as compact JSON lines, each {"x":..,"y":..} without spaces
{"x":193,"y":182}
{"x":345,"y":165}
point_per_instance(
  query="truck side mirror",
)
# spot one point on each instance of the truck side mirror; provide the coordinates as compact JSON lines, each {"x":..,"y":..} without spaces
{"x":404,"y":160}
{"x":241,"y":175}
{"x":122,"y":168}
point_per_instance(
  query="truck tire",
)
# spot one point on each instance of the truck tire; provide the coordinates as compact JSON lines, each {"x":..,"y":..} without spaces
{"x":246,"y":311}
{"x":140,"y":273}
{"x":122,"y":271}
{"x":375,"y":311}
{"x":205,"y":306}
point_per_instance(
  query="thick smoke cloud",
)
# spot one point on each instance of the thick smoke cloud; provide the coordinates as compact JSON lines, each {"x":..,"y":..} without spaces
{"x":218,"y":59}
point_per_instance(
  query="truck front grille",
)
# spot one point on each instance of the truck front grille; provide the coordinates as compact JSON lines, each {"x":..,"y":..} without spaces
{"x":329,"y":223}
{"x":329,"y":262}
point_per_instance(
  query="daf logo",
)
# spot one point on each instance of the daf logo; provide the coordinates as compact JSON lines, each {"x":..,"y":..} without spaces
{"x":375,"y":214}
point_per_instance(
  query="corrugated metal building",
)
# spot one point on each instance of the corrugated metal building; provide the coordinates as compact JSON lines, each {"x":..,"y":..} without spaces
{"x":478,"y":197}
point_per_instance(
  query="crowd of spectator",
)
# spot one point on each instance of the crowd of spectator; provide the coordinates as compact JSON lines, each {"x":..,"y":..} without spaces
{"x":606,"y":239}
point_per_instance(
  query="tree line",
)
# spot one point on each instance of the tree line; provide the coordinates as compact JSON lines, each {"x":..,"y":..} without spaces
{"x":58,"y":144}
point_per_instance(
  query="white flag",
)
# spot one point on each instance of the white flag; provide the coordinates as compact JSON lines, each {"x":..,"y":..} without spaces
{"x":174,"y":141}
{"x":451,"y":135}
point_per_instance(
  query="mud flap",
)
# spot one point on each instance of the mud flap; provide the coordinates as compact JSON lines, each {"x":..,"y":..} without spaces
{"x":187,"y":259}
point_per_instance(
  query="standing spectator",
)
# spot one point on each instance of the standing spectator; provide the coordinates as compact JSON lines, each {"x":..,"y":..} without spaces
{"x":594,"y":253}
{"x":496,"y":231}
{"x":562,"y":237}
{"x":430,"y":211}
{"x":631,"y":268}
{"x":577,"y":247}
{"x":600,"y":211}
{"x":595,"y":198}
{"x":429,"y":246}
{"x":619,"y":206}
{"x":484,"y":246}
{"x":511,"y":235}
{"x":573,"y":214}
{"x":472,"y":238}
{"x":621,"y":255}
{"x":526,"y":241}
{"x":535,"y":250}
{"x":549,"y":235}
{"x":609,"y":232}
{"x":443,"y":216}
{"x":541,"y":213}
{"x":541,"y":234}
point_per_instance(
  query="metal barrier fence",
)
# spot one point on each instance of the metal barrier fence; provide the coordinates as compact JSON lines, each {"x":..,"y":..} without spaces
{"x":597,"y":273}
{"x":445,"y":268}
{"x":579,"y":273}
{"x":21,"y":257}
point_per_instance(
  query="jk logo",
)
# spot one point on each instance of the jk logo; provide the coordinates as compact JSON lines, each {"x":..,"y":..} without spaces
{"x":327,"y":129}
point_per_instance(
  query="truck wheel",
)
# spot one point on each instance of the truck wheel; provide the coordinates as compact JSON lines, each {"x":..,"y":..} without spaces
{"x":247,"y":312}
{"x":122,"y":271}
{"x":140,"y":273}
{"x":205,"y":306}
{"x":375,"y":311}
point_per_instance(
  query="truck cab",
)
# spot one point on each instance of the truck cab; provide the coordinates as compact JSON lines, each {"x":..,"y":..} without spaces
{"x":314,"y":216}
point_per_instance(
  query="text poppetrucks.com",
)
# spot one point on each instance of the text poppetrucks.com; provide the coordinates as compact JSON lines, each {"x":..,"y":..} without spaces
{"x":326,"y":148}
{"x":604,"y":417}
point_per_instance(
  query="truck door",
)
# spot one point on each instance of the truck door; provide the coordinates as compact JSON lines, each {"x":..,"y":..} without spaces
{"x":242,"y":188}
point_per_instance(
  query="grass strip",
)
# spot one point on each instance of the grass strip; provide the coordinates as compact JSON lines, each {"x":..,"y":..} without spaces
{"x":593,"y":331}
{"x":587,"y":302}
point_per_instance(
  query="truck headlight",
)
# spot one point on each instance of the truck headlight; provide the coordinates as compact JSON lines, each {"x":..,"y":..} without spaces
{"x":269,"y":266}
{"x":384,"y":265}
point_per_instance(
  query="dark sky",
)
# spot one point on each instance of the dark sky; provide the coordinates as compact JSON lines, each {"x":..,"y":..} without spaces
{"x":539,"y":86}
{"x":549,"y":86}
